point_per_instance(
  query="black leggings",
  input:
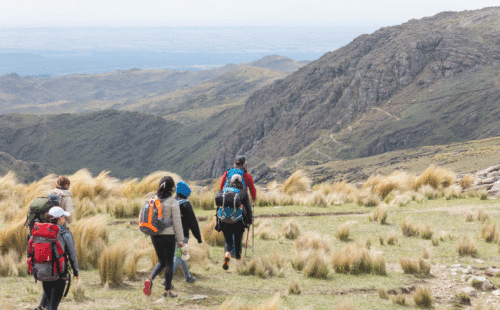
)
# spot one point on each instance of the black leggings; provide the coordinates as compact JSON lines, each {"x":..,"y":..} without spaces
{"x":52,"y":294}
{"x":165,"y":250}
{"x":237,"y":229}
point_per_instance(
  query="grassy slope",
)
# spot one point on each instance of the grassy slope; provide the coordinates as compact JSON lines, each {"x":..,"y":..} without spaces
{"x":441,"y":215}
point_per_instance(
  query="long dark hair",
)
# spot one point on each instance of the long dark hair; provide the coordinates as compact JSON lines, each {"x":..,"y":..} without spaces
{"x":166,"y":187}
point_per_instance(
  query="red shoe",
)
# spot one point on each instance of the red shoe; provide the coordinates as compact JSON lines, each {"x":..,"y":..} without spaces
{"x":148,"y":284}
{"x":225,"y":265}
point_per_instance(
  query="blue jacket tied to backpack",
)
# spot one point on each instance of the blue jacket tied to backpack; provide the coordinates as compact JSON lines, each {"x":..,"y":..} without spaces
{"x":230,"y":174}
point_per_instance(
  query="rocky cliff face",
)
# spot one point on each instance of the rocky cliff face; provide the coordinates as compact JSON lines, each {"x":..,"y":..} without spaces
{"x":26,"y":172}
{"x":343,"y":87}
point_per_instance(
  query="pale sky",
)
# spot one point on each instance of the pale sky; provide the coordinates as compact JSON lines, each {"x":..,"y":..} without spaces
{"x":151,"y":13}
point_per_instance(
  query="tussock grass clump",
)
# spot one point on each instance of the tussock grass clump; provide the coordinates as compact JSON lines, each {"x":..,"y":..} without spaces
{"x":111,"y":263}
{"x":311,"y":241}
{"x":467,"y":246}
{"x":293,"y":287}
{"x":408,"y":228}
{"x":85,"y":208}
{"x":298,"y":182}
{"x":423,"y":297}
{"x":342,"y":233}
{"x":409,"y":265}
{"x":482,"y":216}
{"x":453,"y":191}
{"x":210,"y":235}
{"x":437,"y":177}
{"x":392,"y":238}
{"x":380,"y":214}
{"x":425,"y":232}
{"x":428,"y":192}
{"x":424,"y":267}
{"x":202,"y":200}
{"x":466,"y":181}
{"x":13,"y":237}
{"x":367,"y":199}
{"x":319,"y":200}
{"x":235,"y":304}
{"x":382,"y":293}
{"x":352,"y":259}
{"x":462,"y":298}
{"x":265,"y":231}
{"x":9,"y":264}
{"x":299,"y":260}
{"x":489,"y":232}
{"x":132,"y":259}
{"x":78,"y":291}
{"x":483,"y":195}
{"x":399,"y":299}
{"x":435,"y":241}
{"x":264,"y":267}
{"x":316,"y":266}
{"x":396,"y":181}
{"x":199,"y":254}
{"x":291,"y":229}
{"x":403,"y":199}
{"x":425,"y":254}
{"x":123,"y":208}
{"x":266,"y":199}
{"x":469,"y":217}
{"x":91,"y":237}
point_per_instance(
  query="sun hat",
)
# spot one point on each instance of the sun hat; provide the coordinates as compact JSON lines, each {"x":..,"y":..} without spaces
{"x":57,"y":212}
{"x":183,"y":189}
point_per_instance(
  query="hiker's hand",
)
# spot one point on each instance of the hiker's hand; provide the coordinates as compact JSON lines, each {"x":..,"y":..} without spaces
{"x":76,"y":278}
{"x":181,"y":243}
{"x":200,"y":241}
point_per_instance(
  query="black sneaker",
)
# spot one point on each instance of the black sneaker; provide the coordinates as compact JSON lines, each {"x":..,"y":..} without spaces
{"x":190,"y":279}
{"x":169,"y":294}
{"x":165,"y":282}
{"x":225,"y":265}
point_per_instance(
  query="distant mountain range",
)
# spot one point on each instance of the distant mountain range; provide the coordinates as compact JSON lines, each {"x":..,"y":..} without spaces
{"x":432,"y":81}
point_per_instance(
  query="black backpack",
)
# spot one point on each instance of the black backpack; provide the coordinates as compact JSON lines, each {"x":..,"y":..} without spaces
{"x":39,"y":208}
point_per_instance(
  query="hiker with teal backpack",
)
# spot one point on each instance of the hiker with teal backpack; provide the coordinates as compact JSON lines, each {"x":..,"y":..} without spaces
{"x":50,"y":248}
{"x":164,"y":240}
{"x":240,"y":168}
{"x":235,"y":215}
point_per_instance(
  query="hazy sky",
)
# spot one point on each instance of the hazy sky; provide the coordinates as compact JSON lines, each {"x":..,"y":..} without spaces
{"x":117,"y":13}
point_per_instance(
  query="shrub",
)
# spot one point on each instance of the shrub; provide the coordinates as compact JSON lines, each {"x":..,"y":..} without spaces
{"x":489,"y":232}
{"x":382,"y":293}
{"x":199,"y":254}
{"x":111,"y":263}
{"x":293,"y":287}
{"x":483,"y":195}
{"x":426,"y":232}
{"x":475,"y":283}
{"x":466,"y":247}
{"x":291,"y":229}
{"x":211,"y":236}
{"x":296,"y":183}
{"x":463,"y":298}
{"x":316,"y":266}
{"x":380,"y":215}
{"x":423,"y":297}
{"x":342,"y":233}
{"x":91,"y":237}
{"x":408,"y":228}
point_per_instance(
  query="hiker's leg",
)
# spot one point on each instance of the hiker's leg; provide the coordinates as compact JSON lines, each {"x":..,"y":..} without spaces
{"x":47,"y":291}
{"x":184,"y":263}
{"x":228,"y":236}
{"x":159,"y":244}
{"x":238,"y":235}
{"x":169,"y":259}
{"x":57,"y":294}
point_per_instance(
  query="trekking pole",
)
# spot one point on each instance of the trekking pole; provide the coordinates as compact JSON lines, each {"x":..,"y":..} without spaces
{"x":253,"y":228}
{"x":246,"y":244}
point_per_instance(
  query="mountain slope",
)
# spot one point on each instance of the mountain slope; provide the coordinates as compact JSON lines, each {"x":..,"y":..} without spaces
{"x":428,"y":81}
{"x":25,"y":171}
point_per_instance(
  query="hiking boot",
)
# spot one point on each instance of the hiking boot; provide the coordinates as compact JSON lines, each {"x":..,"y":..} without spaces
{"x":165,"y":282}
{"x":169,"y":294}
{"x":225,"y":265}
{"x":148,"y":285}
{"x":191,"y":279}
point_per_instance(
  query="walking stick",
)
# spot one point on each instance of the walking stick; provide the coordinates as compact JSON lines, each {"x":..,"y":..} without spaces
{"x":253,"y":228}
{"x":246,"y":244}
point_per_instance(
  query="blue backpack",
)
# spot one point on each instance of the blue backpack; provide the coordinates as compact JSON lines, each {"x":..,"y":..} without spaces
{"x":230,"y":174}
{"x":230,"y":210}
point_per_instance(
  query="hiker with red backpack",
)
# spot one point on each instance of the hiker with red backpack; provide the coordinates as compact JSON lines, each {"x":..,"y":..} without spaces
{"x":234,"y":213}
{"x":50,"y":248}
{"x":164,"y":240}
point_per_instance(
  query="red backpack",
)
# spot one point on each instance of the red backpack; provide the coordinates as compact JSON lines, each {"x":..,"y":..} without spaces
{"x":46,"y":259}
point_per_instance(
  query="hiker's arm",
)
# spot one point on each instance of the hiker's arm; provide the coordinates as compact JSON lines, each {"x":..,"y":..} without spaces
{"x":248,"y":208}
{"x":249,"y":183}
{"x":195,"y":229}
{"x":223,"y":180}
{"x":176,"y":219}
{"x":71,"y":250}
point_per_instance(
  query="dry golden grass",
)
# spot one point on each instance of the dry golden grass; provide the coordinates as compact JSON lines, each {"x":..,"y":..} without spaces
{"x":299,"y":260}
{"x":291,"y":229}
{"x":111,"y":263}
{"x":199,"y":254}
{"x":423,"y":297}
{"x":399,"y":299}
{"x":466,"y":181}
{"x":424,"y":267}
{"x":384,"y":185}
{"x":344,"y":305}
{"x":425,"y":253}
{"x":392,"y":238}
{"x":428,"y":192}
{"x":382,"y":293}
{"x":265,"y":231}
{"x":408,"y":228}
{"x":312,"y":241}
{"x":293,"y":287}
{"x":367,"y":199}
{"x":264,"y":267}
{"x":435,"y":241}
{"x":78,"y":291}
{"x":409,"y":265}
{"x":342,"y":233}
{"x":466,"y":246}
{"x":380,"y":214}
{"x":437,"y":177}
{"x":319,"y":200}
{"x":298,"y":182}
{"x":210,"y":235}
{"x":453,"y":191}
{"x":91,"y":237}
{"x":469,"y":217}
{"x":316,"y":266}
{"x":12,"y":264}
{"x":482,"y":216}
{"x":14,"y":237}
{"x":425,"y":232}
{"x":489,"y":232}
{"x":202,"y":199}
{"x":352,"y":259}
